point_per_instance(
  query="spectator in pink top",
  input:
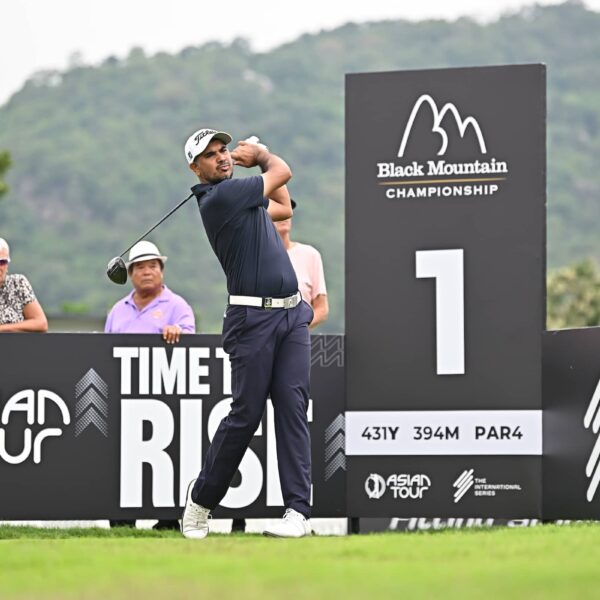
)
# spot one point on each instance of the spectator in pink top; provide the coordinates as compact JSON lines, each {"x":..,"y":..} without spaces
{"x":308,"y":265}
{"x":150,"y":308}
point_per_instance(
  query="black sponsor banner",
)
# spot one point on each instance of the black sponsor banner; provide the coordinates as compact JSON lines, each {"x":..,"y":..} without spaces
{"x":445,"y":281}
{"x":115,"y":426}
{"x":571,"y":468}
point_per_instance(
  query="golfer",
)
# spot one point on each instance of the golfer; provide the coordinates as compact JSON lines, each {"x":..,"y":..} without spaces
{"x":265,"y":329}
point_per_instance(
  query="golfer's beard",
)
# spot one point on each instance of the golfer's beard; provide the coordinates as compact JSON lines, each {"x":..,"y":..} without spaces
{"x":219,"y":179}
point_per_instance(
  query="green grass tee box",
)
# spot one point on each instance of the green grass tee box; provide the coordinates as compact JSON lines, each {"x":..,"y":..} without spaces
{"x":541,"y":562}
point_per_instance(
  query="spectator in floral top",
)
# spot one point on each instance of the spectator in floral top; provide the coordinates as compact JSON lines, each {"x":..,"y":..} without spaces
{"x":19,"y":309}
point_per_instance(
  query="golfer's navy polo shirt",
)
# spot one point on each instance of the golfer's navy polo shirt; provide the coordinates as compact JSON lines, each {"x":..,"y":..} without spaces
{"x":244,"y":238}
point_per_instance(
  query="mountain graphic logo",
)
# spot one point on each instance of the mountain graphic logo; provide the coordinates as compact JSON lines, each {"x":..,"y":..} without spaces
{"x":438,"y":116}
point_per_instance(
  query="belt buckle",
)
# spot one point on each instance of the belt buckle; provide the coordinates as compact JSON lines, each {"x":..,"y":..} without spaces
{"x":268,"y":303}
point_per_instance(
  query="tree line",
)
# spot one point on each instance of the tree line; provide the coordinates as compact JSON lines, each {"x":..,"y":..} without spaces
{"x":97,"y":154}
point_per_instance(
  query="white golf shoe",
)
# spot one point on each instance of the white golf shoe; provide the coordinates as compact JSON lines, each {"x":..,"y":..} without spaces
{"x":194,"y":523}
{"x":293,"y":525}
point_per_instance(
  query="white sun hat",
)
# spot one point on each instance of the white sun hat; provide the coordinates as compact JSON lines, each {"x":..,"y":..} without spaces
{"x":145,"y":250}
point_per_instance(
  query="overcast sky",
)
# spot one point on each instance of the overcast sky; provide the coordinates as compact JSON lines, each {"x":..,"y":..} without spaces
{"x":43,"y":34}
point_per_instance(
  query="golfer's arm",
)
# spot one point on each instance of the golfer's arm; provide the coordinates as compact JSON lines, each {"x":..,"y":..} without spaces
{"x":275,"y":173}
{"x":35,"y":320}
{"x":280,"y":204}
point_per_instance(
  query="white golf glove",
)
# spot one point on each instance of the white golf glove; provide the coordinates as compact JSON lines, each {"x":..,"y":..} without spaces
{"x":254,"y":139}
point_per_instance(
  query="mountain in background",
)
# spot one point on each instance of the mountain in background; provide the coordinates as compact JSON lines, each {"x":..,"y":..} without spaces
{"x":98,"y":151}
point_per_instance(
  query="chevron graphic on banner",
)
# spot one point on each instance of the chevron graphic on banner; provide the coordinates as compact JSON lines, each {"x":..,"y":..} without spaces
{"x":339,"y":462}
{"x":91,"y":378}
{"x":91,"y":417}
{"x":336,"y":444}
{"x":327,"y":350}
{"x":91,"y":407}
{"x":592,"y":419}
{"x":91,"y":398}
{"x":335,"y":440}
{"x":338,"y":423}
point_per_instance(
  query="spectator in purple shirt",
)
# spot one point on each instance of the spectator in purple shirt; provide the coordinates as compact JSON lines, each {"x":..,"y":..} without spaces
{"x":150,"y":308}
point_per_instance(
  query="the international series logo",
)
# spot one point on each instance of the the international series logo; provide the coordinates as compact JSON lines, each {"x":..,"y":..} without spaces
{"x":480,"y":486}
{"x":463,"y":484}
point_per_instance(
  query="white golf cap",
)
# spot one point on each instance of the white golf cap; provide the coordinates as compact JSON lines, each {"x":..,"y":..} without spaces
{"x":198,"y":141}
{"x":144,"y":250}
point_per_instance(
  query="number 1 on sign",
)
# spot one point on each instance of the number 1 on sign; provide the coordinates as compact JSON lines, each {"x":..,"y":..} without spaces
{"x":446,"y":266}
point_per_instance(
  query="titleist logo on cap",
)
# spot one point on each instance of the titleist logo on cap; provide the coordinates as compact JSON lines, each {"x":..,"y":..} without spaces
{"x":203,"y":134}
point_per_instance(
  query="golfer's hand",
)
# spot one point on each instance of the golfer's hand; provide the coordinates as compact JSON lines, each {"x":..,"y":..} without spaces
{"x":247,"y":154}
{"x":171,"y":334}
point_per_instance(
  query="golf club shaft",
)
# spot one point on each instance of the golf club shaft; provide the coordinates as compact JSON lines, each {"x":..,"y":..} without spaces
{"x":157,"y":224}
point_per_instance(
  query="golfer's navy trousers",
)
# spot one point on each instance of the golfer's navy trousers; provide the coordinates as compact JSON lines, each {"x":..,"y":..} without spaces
{"x":269,"y":352}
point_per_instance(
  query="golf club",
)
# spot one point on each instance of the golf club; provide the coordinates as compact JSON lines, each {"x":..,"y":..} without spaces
{"x":116,"y":269}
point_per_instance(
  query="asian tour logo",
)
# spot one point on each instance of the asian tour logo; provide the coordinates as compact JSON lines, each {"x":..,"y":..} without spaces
{"x":35,"y":406}
{"x":439,"y":177}
{"x":591,"y":420}
{"x":375,"y":486}
{"x":402,"y":486}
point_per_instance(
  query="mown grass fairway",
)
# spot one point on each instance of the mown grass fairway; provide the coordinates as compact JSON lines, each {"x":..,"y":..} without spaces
{"x":540,"y":562}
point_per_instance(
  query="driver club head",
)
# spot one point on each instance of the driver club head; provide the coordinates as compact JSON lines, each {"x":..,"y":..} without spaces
{"x":117,"y":271}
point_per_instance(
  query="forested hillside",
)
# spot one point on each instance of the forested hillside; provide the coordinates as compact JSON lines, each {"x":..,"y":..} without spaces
{"x":97,"y":151}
